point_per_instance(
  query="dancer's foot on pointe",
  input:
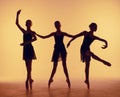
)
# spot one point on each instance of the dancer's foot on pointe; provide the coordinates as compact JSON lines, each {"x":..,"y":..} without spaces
{"x":26,"y":85}
{"x":68,"y":82}
{"x":31,"y":81}
{"x":50,"y":81}
{"x":107,"y":63}
{"x":87,"y":82}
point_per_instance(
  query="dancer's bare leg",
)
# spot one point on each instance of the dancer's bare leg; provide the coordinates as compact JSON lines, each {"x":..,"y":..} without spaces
{"x":99,"y":59}
{"x":66,"y":72}
{"x":28,"y":79}
{"x":53,"y":73}
{"x":87,"y":73}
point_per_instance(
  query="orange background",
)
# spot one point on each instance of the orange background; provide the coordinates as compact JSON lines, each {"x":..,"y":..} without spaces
{"x":75,"y":16}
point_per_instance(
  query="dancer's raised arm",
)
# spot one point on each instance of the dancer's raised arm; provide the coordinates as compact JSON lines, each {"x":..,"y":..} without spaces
{"x":17,"y":21}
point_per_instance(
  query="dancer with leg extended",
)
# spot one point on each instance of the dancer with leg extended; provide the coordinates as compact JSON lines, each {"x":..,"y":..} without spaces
{"x":59,"y":51}
{"x":28,"y":50}
{"x":85,"y":51}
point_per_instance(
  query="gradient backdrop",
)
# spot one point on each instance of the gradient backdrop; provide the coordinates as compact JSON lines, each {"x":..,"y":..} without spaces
{"x":75,"y":16}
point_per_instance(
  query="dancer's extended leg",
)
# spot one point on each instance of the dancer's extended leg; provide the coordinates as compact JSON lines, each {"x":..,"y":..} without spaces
{"x":99,"y":59}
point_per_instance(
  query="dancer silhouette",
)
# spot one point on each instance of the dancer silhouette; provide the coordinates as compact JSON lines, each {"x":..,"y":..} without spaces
{"x":85,"y":51}
{"x":59,"y":51}
{"x":28,"y":50}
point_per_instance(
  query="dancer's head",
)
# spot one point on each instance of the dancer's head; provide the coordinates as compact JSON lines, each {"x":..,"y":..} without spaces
{"x":57,"y":24}
{"x":93,"y":26}
{"x":28,"y":23}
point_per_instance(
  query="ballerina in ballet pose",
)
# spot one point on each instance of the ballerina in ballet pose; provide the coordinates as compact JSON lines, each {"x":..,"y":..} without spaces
{"x":59,"y":51}
{"x":28,"y":50}
{"x":85,"y":51}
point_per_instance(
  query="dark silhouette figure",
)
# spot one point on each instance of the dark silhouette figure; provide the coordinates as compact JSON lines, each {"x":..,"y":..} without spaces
{"x":59,"y":51}
{"x":85,"y":51}
{"x":28,"y":50}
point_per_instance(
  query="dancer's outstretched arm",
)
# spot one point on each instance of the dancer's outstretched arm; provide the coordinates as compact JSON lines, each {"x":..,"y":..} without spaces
{"x":47,"y":36}
{"x":68,"y":35}
{"x":103,"y":40}
{"x":76,"y":36}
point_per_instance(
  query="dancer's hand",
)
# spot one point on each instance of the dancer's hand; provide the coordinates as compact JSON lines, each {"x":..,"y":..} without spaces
{"x":18,"y":12}
{"x":104,"y":47}
{"x":68,"y":44}
{"x":22,"y":44}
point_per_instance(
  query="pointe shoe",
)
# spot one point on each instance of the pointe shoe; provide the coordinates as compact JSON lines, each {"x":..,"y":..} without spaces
{"x":31,"y":81}
{"x":87,"y":82}
{"x":107,"y":63}
{"x":68,"y":82}
{"x":50,"y":81}
{"x":26,"y":85}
